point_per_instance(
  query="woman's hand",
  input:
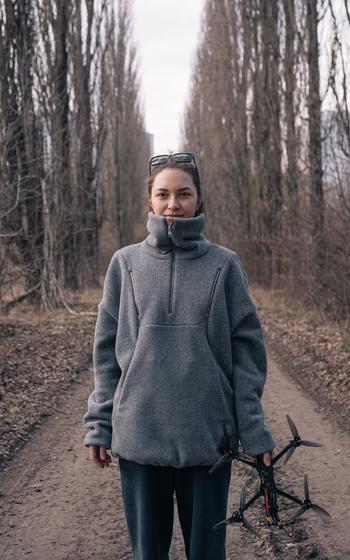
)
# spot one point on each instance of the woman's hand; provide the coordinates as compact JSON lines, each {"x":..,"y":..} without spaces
{"x":100,"y":456}
{"x":267,"y":456}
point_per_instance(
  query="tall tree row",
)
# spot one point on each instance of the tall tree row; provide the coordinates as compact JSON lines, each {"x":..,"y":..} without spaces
{"x":268,"y":118}
{"x":73,"y":147}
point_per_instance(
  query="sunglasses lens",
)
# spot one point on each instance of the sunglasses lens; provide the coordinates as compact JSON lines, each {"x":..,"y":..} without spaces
{"x":158,"y":160}
{"x":183,"y":158}
{"x":179,"y":157}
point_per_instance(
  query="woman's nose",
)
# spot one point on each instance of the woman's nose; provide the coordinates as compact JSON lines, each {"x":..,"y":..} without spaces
{"x":173,"y":203}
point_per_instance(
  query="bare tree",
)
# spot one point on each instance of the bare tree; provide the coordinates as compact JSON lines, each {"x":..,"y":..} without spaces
{"x":290,"y":62}
{"x":66,"y":75}
{"x":254,"y":119}
{"x":315,"y":146}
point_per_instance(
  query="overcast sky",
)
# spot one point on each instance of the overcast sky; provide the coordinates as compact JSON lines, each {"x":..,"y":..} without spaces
{"x":166,"y":32}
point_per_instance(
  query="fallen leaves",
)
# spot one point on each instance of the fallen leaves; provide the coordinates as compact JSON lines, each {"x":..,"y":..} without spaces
{"x":39,"y":362}
{"x":316,"y":353}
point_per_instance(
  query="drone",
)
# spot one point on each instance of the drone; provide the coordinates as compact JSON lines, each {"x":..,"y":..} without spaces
{"x":267,"y":487}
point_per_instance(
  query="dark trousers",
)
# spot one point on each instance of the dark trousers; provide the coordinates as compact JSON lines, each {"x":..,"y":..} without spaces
{"x":148,"y":495}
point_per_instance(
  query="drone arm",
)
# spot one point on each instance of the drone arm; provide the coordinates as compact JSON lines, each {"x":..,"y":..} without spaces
{"x":253,"y":499}
{"x":289,"y":496}
{"x":250,"y":463}
{"x":281,"y":453}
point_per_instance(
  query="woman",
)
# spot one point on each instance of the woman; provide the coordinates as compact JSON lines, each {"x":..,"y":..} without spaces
{"x":180,"y":366}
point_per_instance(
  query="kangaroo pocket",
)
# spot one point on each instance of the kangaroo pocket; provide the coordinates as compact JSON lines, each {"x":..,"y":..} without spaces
{"x":175,"y":404}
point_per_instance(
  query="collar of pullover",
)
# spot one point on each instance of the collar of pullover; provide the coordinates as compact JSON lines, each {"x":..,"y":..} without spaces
{"x":186,"y":236}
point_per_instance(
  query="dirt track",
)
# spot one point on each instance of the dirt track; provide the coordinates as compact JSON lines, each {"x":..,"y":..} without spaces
{"x":56,"y":504}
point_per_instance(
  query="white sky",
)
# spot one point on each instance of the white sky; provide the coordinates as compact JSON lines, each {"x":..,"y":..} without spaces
{"x":166,"y":33}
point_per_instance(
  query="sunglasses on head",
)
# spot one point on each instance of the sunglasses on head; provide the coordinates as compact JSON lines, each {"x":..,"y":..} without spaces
{"x":180,"y":157}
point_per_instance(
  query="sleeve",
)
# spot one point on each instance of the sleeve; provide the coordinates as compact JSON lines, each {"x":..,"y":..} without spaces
{"x":249,"y":363}
{"x":106,"y":369}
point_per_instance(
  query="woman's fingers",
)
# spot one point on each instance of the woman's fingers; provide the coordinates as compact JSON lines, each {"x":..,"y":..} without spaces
{"x":100,"y":456}
{"x":267,"y":458}
{"x":104,"y":456}
{"x":95,"y":455}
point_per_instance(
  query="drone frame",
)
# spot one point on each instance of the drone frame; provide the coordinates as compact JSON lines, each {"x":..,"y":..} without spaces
{"x":267,"y":487}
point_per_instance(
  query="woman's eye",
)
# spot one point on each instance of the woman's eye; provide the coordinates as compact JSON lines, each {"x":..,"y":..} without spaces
{"x":165,"y":194}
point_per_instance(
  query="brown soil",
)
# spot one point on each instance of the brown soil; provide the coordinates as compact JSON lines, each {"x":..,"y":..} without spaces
{"x":55,"y":503}
{"x":41,"y":357}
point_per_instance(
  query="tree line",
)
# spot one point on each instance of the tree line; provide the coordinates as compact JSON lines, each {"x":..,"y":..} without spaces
{"x":73,"y":146}
{"x":268,"y":117}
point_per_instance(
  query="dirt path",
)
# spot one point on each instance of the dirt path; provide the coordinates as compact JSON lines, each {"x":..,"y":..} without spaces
{"x":56,"y":504}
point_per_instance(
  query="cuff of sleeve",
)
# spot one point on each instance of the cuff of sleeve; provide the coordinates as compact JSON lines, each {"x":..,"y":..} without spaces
{"x":259,"y":442}
{"x":100,"y":437}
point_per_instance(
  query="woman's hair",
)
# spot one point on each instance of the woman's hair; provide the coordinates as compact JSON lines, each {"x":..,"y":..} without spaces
{"x":187,"y":168}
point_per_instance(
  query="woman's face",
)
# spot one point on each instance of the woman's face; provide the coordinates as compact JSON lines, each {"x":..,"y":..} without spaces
{"x":174,"y":195}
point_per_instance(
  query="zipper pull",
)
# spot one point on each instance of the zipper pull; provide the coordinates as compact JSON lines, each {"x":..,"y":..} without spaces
{"x":169,"y":229}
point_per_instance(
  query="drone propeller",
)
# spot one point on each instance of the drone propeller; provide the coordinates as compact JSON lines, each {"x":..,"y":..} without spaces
{"x":307,"y":504}
{"x":241,"y":508}
{"x":238,"y":517}
{"x":250,"y":527}
{"x":226,"y":458}
{"x":242,"y":501}
{"x":297,"y":440}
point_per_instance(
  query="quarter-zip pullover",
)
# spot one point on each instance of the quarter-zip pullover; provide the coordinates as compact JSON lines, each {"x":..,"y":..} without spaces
{"x":179,"y":355}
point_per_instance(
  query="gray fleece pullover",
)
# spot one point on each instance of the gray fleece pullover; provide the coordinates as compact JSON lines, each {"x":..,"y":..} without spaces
{"x":179,"y":355}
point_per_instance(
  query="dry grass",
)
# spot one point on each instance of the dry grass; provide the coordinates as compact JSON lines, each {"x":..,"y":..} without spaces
{"x":282,"y":302}
{"x":80,"y":302}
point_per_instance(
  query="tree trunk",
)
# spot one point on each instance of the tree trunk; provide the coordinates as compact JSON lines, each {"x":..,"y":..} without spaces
{"x":291,"y":141}
{"x":315,"y":146}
